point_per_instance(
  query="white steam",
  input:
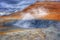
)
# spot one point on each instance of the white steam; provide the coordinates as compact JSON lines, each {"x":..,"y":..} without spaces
{"x":27,"y":16}
{"x":23,"y":23}
{"x":40,"y":11}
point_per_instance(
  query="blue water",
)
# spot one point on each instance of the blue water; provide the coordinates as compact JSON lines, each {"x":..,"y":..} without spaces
{"x":33,"y":23}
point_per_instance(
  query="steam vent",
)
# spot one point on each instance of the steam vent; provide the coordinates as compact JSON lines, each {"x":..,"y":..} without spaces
{"x":29,"y":19}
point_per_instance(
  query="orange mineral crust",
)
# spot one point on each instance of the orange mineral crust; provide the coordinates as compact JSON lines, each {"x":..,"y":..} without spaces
{"x":39,"y":10}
